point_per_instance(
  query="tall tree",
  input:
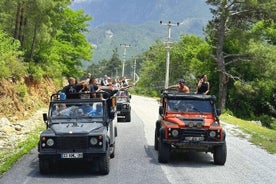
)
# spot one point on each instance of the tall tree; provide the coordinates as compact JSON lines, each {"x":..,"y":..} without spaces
{"x":69,"y":46}
{"x":231,"y":18}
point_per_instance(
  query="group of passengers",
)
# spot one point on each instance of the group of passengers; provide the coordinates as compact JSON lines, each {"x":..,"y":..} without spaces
{"x":202,"y":85}
{"x":93,"y":85}
{"x":86,"y":109}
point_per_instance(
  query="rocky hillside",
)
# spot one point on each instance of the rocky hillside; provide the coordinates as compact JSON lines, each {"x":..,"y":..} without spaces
{"x":20,"y":100}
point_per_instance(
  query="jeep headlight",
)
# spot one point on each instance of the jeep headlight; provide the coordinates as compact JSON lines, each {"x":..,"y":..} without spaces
{"x":50,"y":142}
{"x":175,"y":133}
{"x":191,"y":124}
{"x":212,"y":133}
{"x":93,"y":141}
{"x":125,"y":106}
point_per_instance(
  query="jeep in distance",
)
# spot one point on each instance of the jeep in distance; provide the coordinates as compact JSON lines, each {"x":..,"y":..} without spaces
{"x":123,"y":106}
{"x":189,"y":122}
{"x":78,"y":130}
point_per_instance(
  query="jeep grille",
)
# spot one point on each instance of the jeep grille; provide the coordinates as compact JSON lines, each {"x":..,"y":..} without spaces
{"x":72,"y":142}
{"x":193,"y":133}
{"x":198,"y":133}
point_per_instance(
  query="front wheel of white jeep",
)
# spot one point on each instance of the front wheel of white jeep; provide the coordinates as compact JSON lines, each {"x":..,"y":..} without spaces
{"x":220,"y":154}
{"x":104,"y":163}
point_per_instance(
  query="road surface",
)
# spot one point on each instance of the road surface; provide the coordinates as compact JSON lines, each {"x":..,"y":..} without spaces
{"x":136,"y":160}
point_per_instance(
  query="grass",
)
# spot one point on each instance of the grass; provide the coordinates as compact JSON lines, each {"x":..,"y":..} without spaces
{"x":259,"y":135}
{"x":10,"y":156}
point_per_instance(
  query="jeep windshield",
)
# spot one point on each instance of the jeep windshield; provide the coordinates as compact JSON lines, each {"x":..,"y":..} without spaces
{"x":122,"y":99}
{"x":86,"y":111}
{"x":183,"y":106}
{"x":122,"y":96}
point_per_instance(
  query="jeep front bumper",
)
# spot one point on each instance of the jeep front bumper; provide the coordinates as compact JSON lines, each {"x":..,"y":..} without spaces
{"x":193,"y":145}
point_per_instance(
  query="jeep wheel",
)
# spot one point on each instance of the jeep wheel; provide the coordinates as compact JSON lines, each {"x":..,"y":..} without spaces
{"x":220,"y":154}
{"x":112,"y":151}
{"x":104,"y":163}
{"x":44,"y":166}
{"x":156,"y":142}
{"x":116,"y":131}
{"x":128,"y":117}
{"x":163,"y":152}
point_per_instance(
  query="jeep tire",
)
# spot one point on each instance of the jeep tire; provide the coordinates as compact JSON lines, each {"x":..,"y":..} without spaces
{"x":163,"y":152}
{"x":163,"y":149}
{"x":220,"y":154}
{"x":112,"y":151}
{"x":156,"y":142}
{"x":104,"y":164}
{"x":128,"y":117}
{"x":44,"y":166}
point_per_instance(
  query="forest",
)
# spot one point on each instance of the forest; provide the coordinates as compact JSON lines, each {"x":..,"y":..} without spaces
{"x":47,"y":39}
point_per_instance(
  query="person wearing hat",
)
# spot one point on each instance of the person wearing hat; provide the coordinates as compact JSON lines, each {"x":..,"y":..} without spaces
{"x":181,"y":86}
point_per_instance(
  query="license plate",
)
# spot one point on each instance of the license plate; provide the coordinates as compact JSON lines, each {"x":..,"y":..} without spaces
{"x":194,"y":138}
{"x":72,"y":155}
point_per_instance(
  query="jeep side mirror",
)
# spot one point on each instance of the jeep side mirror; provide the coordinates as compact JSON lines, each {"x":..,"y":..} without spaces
{"x":129,"y":96}
{"x":161,"y":110}
{"x":218,"y":111}
{"x":45,"y":117}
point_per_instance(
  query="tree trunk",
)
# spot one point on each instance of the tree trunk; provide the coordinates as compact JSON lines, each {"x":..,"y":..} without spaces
{"x":221,"y":31}
{"x":21,"y":25}
{"x":33,"y":42}
{"x":17,"y":21}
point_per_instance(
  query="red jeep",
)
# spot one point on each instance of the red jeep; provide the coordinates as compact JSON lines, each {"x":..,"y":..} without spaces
{"x":189,"y":122}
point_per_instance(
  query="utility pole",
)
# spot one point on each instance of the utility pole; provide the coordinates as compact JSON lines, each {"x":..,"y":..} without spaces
{"x":124,"y":57}
{"x":168,"y":47}
{"x":134,"y":70}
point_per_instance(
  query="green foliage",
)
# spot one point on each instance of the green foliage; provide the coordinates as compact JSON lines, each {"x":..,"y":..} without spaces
{"x":261,"y":136}
{"x":9,"y":157}
{"x":10,"y":64}
{"x":190,"y":57}
{"x":22,"y":90}
{"x":50,"y":34}
{"x":112,"y":66}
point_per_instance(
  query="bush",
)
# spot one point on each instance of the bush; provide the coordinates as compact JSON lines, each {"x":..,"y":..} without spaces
{"x":22,"y":90}
{"x":267,"y":121}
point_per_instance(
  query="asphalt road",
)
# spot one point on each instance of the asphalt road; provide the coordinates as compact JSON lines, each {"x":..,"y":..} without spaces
{"x":136,"y":160}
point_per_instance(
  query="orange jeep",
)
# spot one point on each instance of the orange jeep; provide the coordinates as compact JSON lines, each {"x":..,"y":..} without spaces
{"x":189,"y":122}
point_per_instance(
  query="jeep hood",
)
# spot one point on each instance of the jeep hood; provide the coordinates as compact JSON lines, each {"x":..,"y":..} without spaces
{"x":76,"y":128}
{"x":180,"y":119}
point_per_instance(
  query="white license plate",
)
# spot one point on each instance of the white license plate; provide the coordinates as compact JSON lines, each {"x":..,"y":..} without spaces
{"x":72,"y":155}
{"x":194,"y":138}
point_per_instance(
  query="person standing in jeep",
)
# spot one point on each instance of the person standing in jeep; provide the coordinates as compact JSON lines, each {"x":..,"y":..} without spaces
{"x":181,"y":86}
{"x":73,"y":88}
{"x":203,"y":86}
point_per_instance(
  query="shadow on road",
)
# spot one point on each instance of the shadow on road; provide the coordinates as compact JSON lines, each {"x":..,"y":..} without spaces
{"x":182,"y":159}
{"x":67,"y":170}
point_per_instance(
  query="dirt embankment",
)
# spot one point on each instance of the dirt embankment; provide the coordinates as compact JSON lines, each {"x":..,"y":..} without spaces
{"x":20,"y":102}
